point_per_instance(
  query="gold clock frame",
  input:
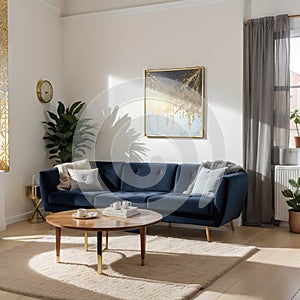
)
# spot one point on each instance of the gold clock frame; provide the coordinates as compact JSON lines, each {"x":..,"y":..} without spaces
{"x":39,"y":92}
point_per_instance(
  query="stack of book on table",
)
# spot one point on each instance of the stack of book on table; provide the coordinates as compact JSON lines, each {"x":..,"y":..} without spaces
{"x":126,"y":213}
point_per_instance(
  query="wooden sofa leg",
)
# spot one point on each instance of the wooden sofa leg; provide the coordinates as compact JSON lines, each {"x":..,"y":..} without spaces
{"x":207,"y":233}
{"x":86,"y":244}
{"x":232,"y":225}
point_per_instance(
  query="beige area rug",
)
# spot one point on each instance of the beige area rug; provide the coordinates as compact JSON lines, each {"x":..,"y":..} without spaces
{"x":174,"y":268}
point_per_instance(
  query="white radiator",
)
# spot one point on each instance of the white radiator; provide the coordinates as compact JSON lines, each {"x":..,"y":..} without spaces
{"x":282,"y":176}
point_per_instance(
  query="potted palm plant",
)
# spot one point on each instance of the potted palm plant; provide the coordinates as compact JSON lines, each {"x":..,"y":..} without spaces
{"x":295,"y":116}
{"x":67,"y":135}
{"x":294,"y":202}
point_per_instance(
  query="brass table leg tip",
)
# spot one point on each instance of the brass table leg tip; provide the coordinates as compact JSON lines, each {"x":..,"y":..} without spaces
{"x":57,"y":259}
{"x":99,"y":270}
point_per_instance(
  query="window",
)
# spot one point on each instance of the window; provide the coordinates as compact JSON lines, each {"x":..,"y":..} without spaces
{"x":294,"y":80}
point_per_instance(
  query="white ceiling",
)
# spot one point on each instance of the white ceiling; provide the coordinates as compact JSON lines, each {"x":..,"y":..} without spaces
{"x":74,"y":7}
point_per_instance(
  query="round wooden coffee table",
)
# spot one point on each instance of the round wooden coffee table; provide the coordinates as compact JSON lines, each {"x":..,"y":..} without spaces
{"x":103,"y":223}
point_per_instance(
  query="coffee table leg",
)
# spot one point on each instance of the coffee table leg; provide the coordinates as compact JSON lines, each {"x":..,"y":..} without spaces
{"x":143,"y":244}
{"x":86,"y":241}
{"x":99,"y":251}
{"x":106,"y":241}
{"x":58,"y":235}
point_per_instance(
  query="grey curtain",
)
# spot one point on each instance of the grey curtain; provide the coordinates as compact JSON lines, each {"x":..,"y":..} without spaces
{"x":266,"y":115}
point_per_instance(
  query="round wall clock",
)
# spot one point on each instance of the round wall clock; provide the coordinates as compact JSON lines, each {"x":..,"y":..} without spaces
{"x":44,"y":91}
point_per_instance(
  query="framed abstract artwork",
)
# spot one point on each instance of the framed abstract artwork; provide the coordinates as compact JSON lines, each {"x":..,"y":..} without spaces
{"x":174,"y":102}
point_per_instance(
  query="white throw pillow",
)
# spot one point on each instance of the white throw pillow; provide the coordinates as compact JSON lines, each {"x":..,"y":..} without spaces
{"x":86,"y":180}
{"x":207,"y":182}
{"x":81,"y":164}
{"x":64,"y":176}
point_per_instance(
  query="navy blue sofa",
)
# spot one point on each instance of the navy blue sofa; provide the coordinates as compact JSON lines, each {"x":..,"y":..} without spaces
{"x":156,"y":186}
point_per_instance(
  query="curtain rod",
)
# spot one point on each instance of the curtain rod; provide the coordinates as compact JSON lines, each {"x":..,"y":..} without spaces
{"x":290,"y":17}
{"x":294,"y":16}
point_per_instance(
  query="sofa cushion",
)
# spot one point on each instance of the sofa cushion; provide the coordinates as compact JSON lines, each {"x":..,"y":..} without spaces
{"x":75,"y":198}
{"x":148,"y":177}
{"x":137,"y":198}
{"x":185,"y":176}
{"x":173,"y":203}
{"x":110,"y":173}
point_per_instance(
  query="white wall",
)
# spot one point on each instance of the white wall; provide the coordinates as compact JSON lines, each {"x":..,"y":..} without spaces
{"x":112,"y":50}
{"x":35,"y":52}
{"x":263,"y":8}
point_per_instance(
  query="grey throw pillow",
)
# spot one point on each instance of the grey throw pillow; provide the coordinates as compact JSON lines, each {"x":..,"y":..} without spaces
{"x":207,"y":182}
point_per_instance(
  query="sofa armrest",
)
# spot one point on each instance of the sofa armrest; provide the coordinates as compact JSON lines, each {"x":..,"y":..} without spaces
{"x":49,"y":180}
{"x":231,"y":196}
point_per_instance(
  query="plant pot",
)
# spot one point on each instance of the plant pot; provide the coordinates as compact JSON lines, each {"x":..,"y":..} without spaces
{"x":294,"y":221}
{"x":297,"y":141}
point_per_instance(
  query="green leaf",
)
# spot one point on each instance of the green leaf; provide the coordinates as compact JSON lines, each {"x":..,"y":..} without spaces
{"x":74,"y":106}
{"x":287,"y":193}
{"x":69,"y":148}
{"x":68,"y":134}
{"x":50,"y":124}
{"x":51,"y":146}
{"x":293,"y":204}
{"x":53,"y":151}
{"x":52,"y":116}
{"x":293,"y":183}
{"x":70,"y":118}
{"x":78,"y":109}
{"x":53,"y":156}
{"x":60,"y":108}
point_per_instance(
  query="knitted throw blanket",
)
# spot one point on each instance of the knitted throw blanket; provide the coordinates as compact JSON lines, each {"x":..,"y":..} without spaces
{"x":217,"y":164}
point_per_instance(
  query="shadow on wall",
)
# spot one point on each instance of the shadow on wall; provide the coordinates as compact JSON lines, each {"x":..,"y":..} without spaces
{"x":117,"y":140}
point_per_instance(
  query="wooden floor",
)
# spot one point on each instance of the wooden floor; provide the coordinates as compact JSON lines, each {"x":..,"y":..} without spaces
{"x":271,"y":273}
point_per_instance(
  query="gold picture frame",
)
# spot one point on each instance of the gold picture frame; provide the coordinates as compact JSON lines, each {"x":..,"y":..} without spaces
{"x":174,"y":103}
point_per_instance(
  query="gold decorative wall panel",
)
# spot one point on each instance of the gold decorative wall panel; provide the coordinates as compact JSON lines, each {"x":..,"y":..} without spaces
{"x":4,"y":143}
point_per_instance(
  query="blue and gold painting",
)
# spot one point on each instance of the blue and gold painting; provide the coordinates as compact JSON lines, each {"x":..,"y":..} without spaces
{"x":174,"y":102}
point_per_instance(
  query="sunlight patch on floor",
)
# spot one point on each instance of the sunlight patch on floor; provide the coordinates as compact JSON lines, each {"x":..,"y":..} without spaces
{"x":24,"y":238}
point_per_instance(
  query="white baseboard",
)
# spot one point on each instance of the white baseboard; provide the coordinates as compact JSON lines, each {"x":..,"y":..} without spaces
{"x":18,"y":218}
{"x":284,"y":224}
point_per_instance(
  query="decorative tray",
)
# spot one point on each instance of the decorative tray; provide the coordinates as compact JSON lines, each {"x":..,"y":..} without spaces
{"x":89,"y":215}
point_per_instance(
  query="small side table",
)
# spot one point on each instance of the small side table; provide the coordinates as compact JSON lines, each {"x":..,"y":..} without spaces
{"x":33,"y":193}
